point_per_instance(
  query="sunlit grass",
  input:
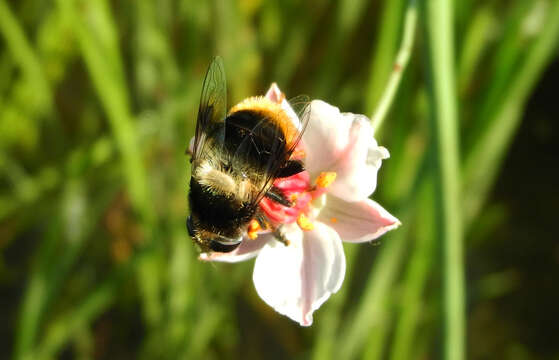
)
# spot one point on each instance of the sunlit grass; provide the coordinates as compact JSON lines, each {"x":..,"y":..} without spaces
{"x":97,"y":104}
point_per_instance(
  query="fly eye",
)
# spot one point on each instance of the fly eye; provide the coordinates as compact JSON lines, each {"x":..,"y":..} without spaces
{"x":224,"y":246}
{"x":190,"y":226}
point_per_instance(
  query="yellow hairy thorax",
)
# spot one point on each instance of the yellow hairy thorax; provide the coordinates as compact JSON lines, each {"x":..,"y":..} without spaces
{"x":270,"y":110}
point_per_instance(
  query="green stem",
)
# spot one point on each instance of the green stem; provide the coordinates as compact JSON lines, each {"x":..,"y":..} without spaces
{"x":400,"y":64}
{"x":438,"y":22}
{"x":382,"y":60}
{"x":479,"y":178}
{"x":386,"y":268}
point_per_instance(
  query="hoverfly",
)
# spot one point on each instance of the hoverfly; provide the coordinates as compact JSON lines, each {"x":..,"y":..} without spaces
{"x":236,"y":156}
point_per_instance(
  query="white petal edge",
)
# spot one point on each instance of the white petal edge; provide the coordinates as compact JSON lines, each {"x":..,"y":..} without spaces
{"x":247,"y":250}
{"x":274,"y":93}
{"x":297,"y":279}
{"x":325,"y":138}
{"x":343,"y":143}
{"x":360,"y":221}
{"x":358,"y":165}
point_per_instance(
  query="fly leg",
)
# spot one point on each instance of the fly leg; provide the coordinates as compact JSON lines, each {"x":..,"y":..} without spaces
{"x":277,"y":195}
{"x":278,"y":232}
{"x":280,"y":235}
{"x":261,"y":220}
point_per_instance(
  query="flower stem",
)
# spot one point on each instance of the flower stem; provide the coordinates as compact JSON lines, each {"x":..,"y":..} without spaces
{"x":438,"y":22}
{"x":400,"y":64}
{"x":389,"y":30}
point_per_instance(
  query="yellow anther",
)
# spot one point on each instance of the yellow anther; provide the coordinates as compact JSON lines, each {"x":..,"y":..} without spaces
{"x":253,"y":229}
{"x":325,"y":179}
{"x":334,"y":220}
{"x":293,"y":197}
{"x":304,"y":222}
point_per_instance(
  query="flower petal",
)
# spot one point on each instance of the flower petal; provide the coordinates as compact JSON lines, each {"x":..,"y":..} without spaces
{"x":274,"y":93}
{"x":247,"y":250}
{"x":357,"y":221}
{"x":325,"y":131}
{"x":352,"y":151}
{"x":358,"y":166}
{"x":296,"y":279}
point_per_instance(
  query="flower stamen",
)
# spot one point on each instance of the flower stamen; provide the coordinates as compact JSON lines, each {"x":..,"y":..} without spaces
{"x":325,"y":179}
{"x":304,"y":222}
{"x":253,"y":229}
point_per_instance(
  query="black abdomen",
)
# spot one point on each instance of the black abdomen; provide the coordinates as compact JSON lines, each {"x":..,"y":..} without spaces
{"x":217,"y":211}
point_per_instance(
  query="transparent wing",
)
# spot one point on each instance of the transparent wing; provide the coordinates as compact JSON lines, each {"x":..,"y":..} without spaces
{"x":275,"y":152}
{"x":300,"y":105}
{"x":274,"y":167}
{"x":212,"y":110}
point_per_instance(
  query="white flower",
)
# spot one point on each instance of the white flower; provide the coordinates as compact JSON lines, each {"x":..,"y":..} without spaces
{"x":332,"y":204}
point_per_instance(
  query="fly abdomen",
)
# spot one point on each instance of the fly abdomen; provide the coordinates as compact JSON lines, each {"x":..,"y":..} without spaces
{"x":220,"y":211}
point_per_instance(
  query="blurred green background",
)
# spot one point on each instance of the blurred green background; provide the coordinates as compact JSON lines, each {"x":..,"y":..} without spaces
{"x":98,"y":101}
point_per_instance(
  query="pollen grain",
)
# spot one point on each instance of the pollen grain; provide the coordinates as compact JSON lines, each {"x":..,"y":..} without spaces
{"x":253,"y":228}
{"x":304,"y":222}
{"x":325,"y":179}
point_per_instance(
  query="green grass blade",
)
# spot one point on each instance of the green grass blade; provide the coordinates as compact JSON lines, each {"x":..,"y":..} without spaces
{"x":22,"y":51}
{"x":36,"y":294}
{"x":372,"y":306}
{"x":61,"y":330}
{"x":104,"y":66}
{"x":348,"y":15}
{"x":331,"y":317}
{"x":98,"y":45}
{"x":476,"y":41}
{"x":384,"y":51}
{"x":438,"y":22}
{"x":400,"y":64}
{"x":484,"y":157}
{"x":419,"y":267}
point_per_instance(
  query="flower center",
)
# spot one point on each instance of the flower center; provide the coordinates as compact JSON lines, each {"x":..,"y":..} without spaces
{"x":308,"y":199}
